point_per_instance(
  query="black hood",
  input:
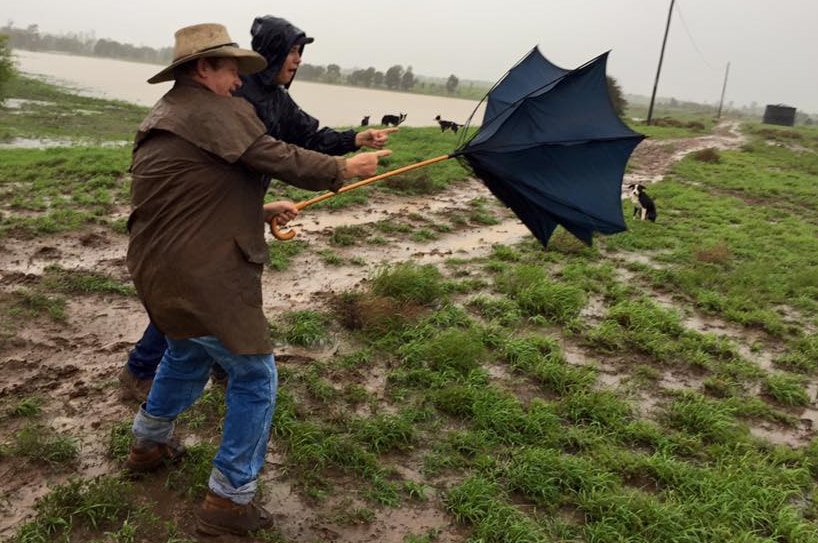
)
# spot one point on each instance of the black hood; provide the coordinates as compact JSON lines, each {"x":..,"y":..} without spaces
{"x":273,"y":37}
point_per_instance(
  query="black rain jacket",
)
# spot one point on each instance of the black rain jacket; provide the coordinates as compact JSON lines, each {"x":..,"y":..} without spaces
{"x":273,"y":37}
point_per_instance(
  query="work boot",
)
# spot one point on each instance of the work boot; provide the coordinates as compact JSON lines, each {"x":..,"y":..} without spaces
{"x":219,"y":377}
{"x":133,"y":388}
{"x":218,"y":516}
{"x":146,"y":456}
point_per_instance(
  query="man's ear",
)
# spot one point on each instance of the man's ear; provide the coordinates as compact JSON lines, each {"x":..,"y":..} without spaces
{"x":202,"y":68}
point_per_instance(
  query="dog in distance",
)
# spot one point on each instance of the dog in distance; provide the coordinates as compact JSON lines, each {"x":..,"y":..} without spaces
{"x":393,"y":120}
{"x":447,"y":125}
{"x":643,"y":205}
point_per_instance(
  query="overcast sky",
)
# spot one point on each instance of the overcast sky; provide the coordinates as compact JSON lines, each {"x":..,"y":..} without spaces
{"x":771,"y":45}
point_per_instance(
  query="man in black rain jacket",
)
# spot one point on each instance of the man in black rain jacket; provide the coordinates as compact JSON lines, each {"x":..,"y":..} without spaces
{"x":282,"y":44}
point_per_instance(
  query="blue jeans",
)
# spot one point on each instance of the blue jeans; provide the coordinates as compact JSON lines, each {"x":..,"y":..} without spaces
{"x":251,"y":398}
{"x":148,"y":351}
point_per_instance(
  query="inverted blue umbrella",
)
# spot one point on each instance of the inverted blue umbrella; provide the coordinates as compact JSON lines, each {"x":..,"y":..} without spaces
{"x":550,"y":146}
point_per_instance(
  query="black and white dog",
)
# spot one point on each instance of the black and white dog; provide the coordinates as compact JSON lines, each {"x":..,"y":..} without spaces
{"x":643,"y":205}
{"x":447,"y":125}
{"x":393,"y":120}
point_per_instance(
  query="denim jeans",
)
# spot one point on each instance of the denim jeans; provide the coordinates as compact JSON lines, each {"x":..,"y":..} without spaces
{"x":148,"y":351}
{"x":251,"y":397}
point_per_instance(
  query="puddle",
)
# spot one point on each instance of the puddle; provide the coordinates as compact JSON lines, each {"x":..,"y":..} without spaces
{"x":46,"y":143}
{"x":19,"y":103}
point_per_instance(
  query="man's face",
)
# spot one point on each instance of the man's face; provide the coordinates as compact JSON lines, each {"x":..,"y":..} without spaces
{"x":221,"y":77}
{"x":287,"y":72}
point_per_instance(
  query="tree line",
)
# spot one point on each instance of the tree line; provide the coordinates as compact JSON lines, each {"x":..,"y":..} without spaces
{"x":394,"y":78}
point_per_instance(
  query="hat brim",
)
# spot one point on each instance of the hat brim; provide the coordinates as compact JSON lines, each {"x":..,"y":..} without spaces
{"x":249,"y":62}
{"x":304,"y":41}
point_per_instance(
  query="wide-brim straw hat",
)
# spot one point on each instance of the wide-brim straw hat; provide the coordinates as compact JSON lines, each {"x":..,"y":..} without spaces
{"x":209,"y":40}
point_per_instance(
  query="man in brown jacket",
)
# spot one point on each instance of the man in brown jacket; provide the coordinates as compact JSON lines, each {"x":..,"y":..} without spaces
{"x":196,"y":253}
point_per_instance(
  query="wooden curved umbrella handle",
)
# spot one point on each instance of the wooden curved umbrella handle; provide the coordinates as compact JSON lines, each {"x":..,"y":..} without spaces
{"x":278,"y":234}
{"x":290,"y":234}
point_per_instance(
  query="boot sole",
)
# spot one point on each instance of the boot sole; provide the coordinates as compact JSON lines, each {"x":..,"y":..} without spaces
{"x":214,"y":530}
{"x":141,"y":468}
{"x":207,"y":528}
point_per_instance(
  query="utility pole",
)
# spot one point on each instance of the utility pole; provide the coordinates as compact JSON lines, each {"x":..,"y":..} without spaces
{"x":659,"y":69}
{"x":723,"y":88}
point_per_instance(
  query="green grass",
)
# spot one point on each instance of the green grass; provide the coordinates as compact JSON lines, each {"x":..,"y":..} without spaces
{"x":43,"y":445}
{"x":52,"y":190}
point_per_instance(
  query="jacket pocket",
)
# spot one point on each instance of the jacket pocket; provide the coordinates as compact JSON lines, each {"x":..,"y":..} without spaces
{"x":253,"y":248}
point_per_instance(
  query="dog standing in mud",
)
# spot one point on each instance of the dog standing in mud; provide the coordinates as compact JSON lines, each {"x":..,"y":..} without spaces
{"x":643,"y":205}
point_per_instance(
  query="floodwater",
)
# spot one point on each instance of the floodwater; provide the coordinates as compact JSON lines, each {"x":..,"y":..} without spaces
{"x":332,"y":105}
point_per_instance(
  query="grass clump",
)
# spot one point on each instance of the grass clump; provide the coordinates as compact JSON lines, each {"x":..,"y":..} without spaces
{"x":41,"y":444}
{"x":104,"y":504}
{"x":407,"y":282}
{"x":536,"y":295}
{"x":307,"y":328}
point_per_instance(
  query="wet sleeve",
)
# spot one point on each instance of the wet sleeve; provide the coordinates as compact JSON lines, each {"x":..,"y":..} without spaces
{"x":299,"y":127}
{"x":332,"y":141}
{"x":302,"y":168}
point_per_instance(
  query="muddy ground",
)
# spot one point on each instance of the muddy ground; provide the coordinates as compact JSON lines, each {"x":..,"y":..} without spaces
{"x":74,"y":364}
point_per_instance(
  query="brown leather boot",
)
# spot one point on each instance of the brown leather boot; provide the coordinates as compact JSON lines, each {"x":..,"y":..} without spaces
{"x":133,"y":388}
{"x":148,"y":456}
{"x":219,"y":516}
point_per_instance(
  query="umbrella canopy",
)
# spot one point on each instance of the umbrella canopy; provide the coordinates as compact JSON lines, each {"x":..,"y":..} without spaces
{"x":552,"y":148}
{"x":533,"y":73}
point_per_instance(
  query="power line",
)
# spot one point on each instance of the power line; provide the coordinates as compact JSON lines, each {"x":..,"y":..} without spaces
{"x":690,"y":37}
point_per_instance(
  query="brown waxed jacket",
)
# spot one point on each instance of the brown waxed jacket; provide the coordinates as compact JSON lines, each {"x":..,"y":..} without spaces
{"x":197,"y":247}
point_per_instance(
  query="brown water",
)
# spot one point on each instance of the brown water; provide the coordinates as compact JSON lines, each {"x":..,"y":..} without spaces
{"x":333,"y":105}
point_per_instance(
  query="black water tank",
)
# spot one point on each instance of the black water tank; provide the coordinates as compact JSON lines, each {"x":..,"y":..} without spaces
{"x":783,"y":115}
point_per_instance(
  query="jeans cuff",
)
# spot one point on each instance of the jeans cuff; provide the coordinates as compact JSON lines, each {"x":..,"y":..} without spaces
{"x":221,"y":486}
{"x":148,"y":427}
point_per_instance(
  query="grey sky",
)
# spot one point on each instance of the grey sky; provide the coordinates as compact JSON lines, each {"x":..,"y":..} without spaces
{"x":771,"y":45}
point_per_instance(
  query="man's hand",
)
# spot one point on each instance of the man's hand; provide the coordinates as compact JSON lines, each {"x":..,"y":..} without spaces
{"x":374,"y":138}
{"x":282,"y":210}
{"x":365,"y":164}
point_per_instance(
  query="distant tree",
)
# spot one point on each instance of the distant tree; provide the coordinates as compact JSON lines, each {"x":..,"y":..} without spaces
{"x":333,"y":73}
{"x":407,"y":81}
{"x":394,"y":76}
{"x":311,"y":72}
{"x":370,"y":76}
{"x":7,"y":69}
{"x":378,"y":79}
{"x":107,"y":48}
{"x":362,"y":78}
{"x":617,"y":97}
{"x":28,"y":39}
{"x":451,"y":84}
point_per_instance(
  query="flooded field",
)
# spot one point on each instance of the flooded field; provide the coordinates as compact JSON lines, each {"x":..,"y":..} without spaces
{"x":333,"y":105}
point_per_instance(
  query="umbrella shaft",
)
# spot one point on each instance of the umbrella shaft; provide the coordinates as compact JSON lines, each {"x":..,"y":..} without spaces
{"x":367,"y":181}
